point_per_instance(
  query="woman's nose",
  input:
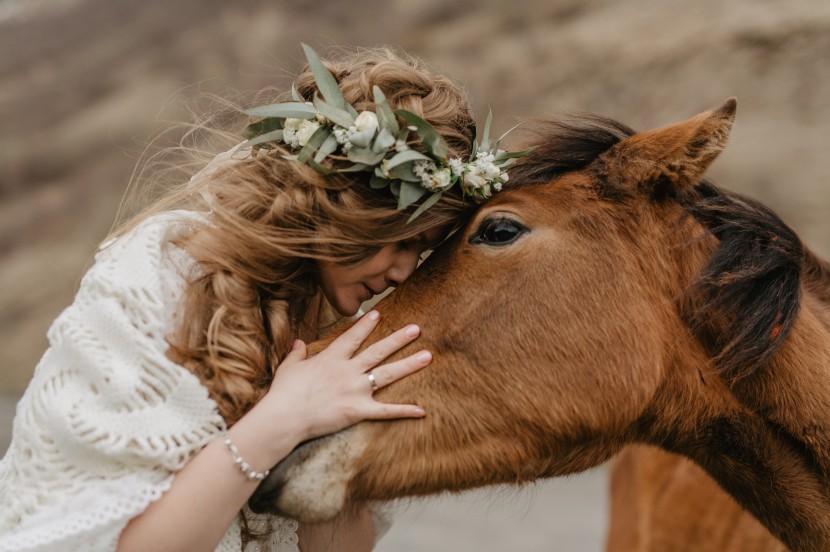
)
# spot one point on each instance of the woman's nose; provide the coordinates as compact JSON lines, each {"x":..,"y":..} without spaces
{"x":403,"y":268}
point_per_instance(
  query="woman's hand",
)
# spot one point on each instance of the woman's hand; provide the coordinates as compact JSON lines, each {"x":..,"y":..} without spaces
{"x":332,"y":390}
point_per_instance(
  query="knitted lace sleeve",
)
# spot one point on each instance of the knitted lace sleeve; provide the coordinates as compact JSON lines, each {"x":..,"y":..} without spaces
{"x":108,"y":418}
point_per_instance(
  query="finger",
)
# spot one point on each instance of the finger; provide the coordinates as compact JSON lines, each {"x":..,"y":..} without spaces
{"x":297,"y":353}
{"x":378,"y":352}
{"x":392,"y":372}
{"x":383,"y":411}
{"x":351,"y":340}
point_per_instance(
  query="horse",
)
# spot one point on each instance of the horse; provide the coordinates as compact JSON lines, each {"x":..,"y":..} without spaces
{"x":611,"y":296}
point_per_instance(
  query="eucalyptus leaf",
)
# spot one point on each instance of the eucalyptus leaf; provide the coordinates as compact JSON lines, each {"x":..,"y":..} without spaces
{"x":318,"y":167}
{"x":485,"y":141}
{"x":428,"y":202}
{"x":383,"y":141}
{"x":378,"y":182}
{"x":410,"y":193}
{"x":384,"y":112}
{"x":294,"y":110}
{"x":326,"y":83}
{"x":395,"y":188}
{"x":404,"y":172}
{"x":269,"y":124}
{"x":296,"y":95}
{"x":273,"y":136}
{"x":362,"y":155}
{"x":363,"y":138}
{"x":337,"y":116}
{"x":326,"y":148}
{"x":505,"y":155}
{"x":431,"y":139}
{"x":357,"y":167}
{"x":319,"y":136}
{"x":406,"y":156}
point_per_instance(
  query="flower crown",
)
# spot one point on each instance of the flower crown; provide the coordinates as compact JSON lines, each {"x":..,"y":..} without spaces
{"x":375,"y":142}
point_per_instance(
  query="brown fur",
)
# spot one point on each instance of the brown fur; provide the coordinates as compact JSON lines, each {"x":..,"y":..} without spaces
{"x":620,"y":317}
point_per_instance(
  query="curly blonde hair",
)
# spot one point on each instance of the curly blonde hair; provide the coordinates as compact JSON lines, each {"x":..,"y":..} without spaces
{"x":274,"y":221}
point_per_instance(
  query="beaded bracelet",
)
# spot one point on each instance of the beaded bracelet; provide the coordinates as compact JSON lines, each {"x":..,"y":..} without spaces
{"x":244,"y":467}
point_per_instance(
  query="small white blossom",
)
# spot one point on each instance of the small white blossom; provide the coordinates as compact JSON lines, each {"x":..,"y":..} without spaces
{"x":440,"y":180}
{"x":474,"y":181}
{"x":384,"y":169}
{"x":306,"y":130}
{"x":400,"y":145}
{"x":497,"y":186}
{"x":503,"y":176}
{"x":423,"y":169}
{"x":341,"y":135}
{"x":456,"y":166}
{"x":366,"y":120}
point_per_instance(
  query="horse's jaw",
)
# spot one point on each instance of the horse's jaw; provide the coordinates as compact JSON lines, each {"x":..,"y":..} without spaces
{"x":311,"y":483}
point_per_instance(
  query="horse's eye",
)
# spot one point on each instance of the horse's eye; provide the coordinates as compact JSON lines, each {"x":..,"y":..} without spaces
{"x":500,"y":231}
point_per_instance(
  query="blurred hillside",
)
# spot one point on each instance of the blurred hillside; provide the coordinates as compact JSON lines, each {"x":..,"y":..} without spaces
{"x":84,"y":83}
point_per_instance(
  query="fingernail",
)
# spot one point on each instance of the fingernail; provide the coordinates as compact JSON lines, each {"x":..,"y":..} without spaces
{"x":412,"y":330}
{"x":296,"y":344}
{"x":424,"y":356}
{"x":373,"y":315}
{"x":420,"y":411}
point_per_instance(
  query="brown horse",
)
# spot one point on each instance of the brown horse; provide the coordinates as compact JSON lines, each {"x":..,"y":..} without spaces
{"x":609,"y":298}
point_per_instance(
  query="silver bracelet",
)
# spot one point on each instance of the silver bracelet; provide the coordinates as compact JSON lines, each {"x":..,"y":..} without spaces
{"x":243,"y":466}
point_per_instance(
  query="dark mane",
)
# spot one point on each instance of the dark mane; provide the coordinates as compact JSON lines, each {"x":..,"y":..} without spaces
{"x":566,"y":144}
{"x":745,"y":300}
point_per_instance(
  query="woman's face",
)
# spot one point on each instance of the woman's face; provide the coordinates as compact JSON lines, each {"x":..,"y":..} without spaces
{"x":347,"y":286}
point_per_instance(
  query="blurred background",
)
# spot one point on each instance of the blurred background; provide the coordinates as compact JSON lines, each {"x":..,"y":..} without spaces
{"x":85,"y":84}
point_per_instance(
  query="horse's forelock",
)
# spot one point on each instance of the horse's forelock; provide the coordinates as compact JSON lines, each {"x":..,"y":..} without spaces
{"x":567,"y":143}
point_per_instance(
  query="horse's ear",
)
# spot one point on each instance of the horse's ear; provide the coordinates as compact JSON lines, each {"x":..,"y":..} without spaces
{"x":675,"y":156}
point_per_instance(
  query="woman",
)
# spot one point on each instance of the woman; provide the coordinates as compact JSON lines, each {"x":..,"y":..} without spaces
{"x":179,"y":374}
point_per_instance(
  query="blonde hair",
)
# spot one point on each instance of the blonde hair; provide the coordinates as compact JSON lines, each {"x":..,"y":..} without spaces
{"x":274,"y":221}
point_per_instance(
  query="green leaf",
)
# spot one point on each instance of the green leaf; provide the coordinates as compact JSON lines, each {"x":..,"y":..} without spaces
{"x":326,"y":83}
{"x":407,"y":155}
{"x":428,"y":202}
{"x":361,"y":155}
{"x":318,"y":167}
{"x":431,"y":139}
{"x":395,"y":188}
{"x":313,"y":143}
{"x":505,"y":155}
{"x":357,"y":167}
{"x":327,"y":147}
{"x":377,"y":182}
{"x":385,"y":116}
{"x":294,"y":110}
{"x":269,"y":124}
{"x":383,"y":141}
{"x":405,"y":172}
{"x":351,"y":110}
{"x":333,"y":114}
{"x":485,"y":142}
{"x":296,"y":95}
{"x":273,"y":136}
{"x":410,"y":193}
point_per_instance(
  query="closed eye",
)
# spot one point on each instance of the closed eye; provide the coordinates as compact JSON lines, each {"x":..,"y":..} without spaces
{"x":498,"y":232}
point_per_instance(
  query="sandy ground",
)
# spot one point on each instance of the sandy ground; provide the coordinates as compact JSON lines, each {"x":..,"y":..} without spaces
{"x":560,"y":515}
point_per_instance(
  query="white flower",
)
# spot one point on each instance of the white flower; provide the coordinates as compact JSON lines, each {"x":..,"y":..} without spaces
{"x":474,"y":181}
{"x":384,"y":169}
{"x":306,"y":130}
{"x":503,"y":176}
{"x":457,"y":166}
{"x":366,"y":120}
{"x":341,"y":135}
{"x":497,"y":186}
{"x":400,"y":145}
{"x":293,"y":124}
{"x":440,"y":180}
{"x":423,"y":169}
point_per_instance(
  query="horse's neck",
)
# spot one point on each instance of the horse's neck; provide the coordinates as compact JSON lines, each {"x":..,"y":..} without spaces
{"x":767,"y":439}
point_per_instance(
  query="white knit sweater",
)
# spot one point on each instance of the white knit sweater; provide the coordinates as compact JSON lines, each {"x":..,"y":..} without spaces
{"x":108,"y":419}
